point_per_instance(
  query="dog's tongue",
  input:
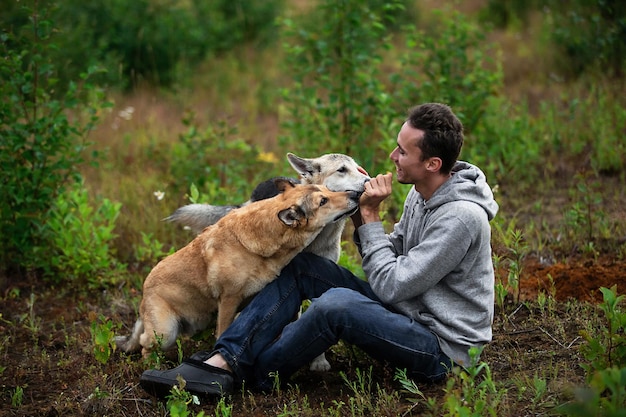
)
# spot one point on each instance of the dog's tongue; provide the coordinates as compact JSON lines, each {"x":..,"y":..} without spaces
{"x":362,"y":170}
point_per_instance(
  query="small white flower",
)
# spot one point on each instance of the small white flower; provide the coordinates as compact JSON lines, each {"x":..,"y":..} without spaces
{"x":159,"y":195}
{"x":127,"y":113}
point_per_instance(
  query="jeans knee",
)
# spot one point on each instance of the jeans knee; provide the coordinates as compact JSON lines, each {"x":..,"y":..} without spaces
{"x":305,"y":262}
{"x":337,"y":301}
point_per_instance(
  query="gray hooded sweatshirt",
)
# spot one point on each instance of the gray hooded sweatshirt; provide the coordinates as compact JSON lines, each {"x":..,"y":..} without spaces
{"x":436,"y":265}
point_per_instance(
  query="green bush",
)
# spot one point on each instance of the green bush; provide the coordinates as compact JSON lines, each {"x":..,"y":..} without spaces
{"x":590,"y":35}
{"x":451,"y":64}
{"x":80,"y":241}
{"x":223,"y":167}
{"x":505,"y":13}
{"x":351,"y":87}
{"x":145,"y":40}
{"x":337,"y":100}
{"x":607,"y":347}
{"x":605,"y":353}
{"x":505,"y":145}
{"x":42,"y":140}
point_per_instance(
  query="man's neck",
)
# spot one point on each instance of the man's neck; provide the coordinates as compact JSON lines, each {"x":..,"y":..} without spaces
{"x":428,"y":188}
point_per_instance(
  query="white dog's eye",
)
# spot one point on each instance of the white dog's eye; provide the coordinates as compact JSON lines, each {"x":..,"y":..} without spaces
{"x":342,"y":170}
{"x":323,"y":201}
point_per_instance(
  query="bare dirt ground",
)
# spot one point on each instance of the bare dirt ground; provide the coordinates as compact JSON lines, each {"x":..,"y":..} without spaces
{"x":46,"y":348}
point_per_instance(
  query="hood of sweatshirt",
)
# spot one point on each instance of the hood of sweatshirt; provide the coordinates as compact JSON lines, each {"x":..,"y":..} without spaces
{"x":467,"y":183}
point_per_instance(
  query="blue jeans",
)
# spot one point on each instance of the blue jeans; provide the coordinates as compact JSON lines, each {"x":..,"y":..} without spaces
{"x":265,"y":338}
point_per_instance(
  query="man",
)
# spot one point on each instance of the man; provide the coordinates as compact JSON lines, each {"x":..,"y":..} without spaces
{"x":430,"y":291}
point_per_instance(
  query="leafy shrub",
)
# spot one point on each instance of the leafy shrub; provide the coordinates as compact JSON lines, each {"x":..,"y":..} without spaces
{"x":607,"y":348}
{"x":451,"y":64}
{"x":504,"y":13}
{"x":43,"y":140}
{"x":103,"y":337}
{"x":337,"y":101}
{"x":149,"y":252}
{"x":605,"y":352}
{"x":505,"y":144}
{"x":149,"y":41}
{"x":80,"y":240}
{"x":472,"y":391}
{"x":346,"y":96}
{"x":602,"y":117}
{"x":212,"y":160}
{"x":144,"y":40}
{"x":590,"y":34}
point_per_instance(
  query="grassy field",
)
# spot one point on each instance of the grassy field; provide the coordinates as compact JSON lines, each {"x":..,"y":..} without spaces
{"x":555,"y":157}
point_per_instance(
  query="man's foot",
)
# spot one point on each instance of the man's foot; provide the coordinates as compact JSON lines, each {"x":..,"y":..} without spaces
{"x":201,"y":379}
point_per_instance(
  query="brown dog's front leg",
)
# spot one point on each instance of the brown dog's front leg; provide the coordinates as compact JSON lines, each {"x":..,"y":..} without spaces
{"x":227,"y":309}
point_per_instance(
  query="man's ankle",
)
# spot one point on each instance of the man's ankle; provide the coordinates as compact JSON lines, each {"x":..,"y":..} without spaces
{"x":218,"y":361}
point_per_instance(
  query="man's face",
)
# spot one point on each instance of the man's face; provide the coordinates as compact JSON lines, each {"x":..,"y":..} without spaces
{"x":407,"y":156}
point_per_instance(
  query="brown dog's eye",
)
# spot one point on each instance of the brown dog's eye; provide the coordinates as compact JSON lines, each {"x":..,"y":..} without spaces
{"x":323,"y":201}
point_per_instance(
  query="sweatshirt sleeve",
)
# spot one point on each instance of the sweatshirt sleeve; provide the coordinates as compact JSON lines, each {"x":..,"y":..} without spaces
{"x":400,"y":277}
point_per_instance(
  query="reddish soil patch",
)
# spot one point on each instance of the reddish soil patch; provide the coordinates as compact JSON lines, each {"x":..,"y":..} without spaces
{"x":577,"y":279}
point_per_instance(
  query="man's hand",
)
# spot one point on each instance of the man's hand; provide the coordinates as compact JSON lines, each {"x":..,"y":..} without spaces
{"x":376,"y":190}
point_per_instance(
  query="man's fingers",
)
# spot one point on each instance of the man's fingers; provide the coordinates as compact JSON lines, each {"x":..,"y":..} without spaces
{"x":380,"y":181}
{"x":378,"y":187}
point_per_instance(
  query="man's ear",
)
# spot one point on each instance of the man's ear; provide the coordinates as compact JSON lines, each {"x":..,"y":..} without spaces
{"x":434,"y":164}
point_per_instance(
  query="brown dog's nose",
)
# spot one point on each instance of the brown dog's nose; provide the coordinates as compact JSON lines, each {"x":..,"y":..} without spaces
{"x":355,"y":195}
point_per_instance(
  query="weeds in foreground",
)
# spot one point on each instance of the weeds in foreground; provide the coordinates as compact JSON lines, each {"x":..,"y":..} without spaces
{"x":472,"y":391}
{"x":607,"y":348}
{"x":364,"y":400}
{"x":30,"y":319}
{"x":585,"y":219}
{"x":606,"y":367}
{"x":103,"y":337}
{"x":468,"y":392}
{"x":519,"y":384}
{"x":179,"y":400}
{"x":547,"y":301}
{"x":17,"y":397}
{"x":517,"y":248}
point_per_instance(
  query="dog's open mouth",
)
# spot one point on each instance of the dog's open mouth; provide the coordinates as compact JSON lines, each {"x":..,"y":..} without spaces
{"x":354,"y":197}
{"x":346,"y":214}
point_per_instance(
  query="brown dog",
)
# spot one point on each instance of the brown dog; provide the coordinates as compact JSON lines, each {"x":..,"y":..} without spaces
{"x":230,"y":261}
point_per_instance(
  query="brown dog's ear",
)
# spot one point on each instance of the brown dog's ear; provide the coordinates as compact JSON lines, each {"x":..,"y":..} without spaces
{"x":291,"y":216}
{"x":282,"y":183}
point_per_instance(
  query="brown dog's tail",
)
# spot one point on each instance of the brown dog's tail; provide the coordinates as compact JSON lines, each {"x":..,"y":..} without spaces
{"x":130,"y":343}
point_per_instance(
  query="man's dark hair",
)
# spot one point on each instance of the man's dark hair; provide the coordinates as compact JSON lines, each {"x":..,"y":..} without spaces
{"x":443,"y":133}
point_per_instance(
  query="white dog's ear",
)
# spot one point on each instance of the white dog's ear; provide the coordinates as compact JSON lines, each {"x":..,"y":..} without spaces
{"x":291,"y":216}
{"x":302,"y":166}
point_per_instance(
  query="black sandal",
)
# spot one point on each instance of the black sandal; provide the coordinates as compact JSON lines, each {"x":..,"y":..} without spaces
{"x":200,"y":378}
